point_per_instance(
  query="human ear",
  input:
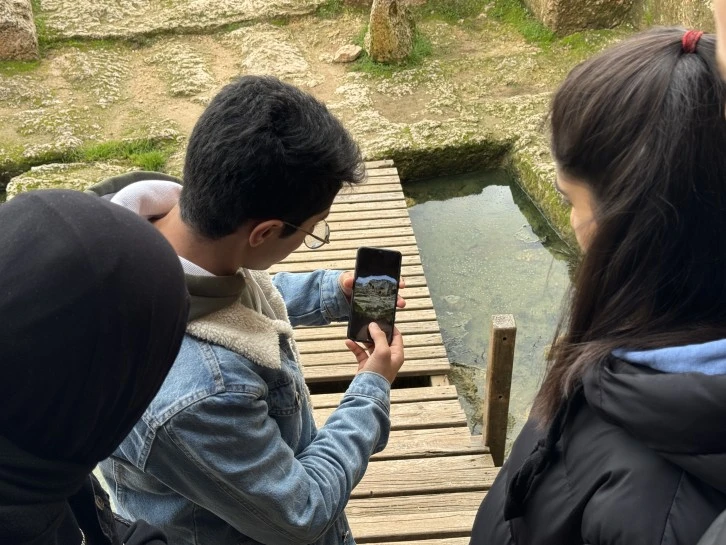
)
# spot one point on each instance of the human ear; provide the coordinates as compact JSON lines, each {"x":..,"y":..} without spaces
{"x":263,"y":231}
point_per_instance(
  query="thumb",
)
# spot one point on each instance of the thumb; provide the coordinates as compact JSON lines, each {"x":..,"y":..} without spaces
{"x":377,"y":335}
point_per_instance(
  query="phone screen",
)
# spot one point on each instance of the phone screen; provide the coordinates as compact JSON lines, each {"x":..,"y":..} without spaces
{"x":375,"y":291}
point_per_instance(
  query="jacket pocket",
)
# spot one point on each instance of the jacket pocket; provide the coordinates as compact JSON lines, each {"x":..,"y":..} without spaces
{"x":283,"y":399}
{"x":284,"y":407}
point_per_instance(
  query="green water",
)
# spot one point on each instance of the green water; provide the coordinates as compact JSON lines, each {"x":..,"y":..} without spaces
{"x":486,"y":250}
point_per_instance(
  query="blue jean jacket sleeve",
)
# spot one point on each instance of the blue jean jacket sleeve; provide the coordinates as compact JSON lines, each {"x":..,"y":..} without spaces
{"x":225,"y":453}
{"x":313,"y":298}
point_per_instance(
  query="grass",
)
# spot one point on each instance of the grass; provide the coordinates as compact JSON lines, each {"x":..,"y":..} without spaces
{"x":147,"y":154}
{"x":40,"y":26}
{"x":421,"y":49}
{"x":452,"y":11}
{"x":330,"y":9}
{"x":11,"y":68}
{"x":514,"y":13}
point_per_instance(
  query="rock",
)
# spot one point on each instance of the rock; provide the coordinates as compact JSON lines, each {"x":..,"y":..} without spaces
{"x":390,"y":31}
{"x":367,"y":3}
{"x":266,"y":49}
{"x":453,"y":301}
{"x":187,"y":70}
{"x":101,"y":19}
{"x":18,"y":39}
{"x":79,"y":176}
{"x":568,"y":16}
{"x":347,"y":53}
{"x":688,"y":13}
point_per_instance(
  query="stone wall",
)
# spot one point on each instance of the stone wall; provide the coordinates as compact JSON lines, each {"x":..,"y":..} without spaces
{"x":695,"y":14}
{"x":568,"y":16}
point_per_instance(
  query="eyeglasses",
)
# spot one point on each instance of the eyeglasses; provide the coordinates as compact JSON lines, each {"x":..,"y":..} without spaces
{"x":319,"y":236}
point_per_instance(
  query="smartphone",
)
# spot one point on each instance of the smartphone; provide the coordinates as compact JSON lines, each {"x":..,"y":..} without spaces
{"x":375,"y":292}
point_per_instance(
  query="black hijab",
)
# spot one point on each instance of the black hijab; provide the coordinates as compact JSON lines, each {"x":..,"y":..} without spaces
{"x":93,"y":308}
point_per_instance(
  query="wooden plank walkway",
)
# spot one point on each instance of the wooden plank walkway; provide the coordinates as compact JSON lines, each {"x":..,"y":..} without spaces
{"x":425,"y":487}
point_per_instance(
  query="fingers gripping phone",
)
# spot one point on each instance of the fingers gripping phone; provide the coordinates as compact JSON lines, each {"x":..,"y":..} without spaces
{"x":375,"y":292}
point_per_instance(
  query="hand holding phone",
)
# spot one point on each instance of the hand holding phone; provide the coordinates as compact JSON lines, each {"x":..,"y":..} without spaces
{"x":375,"y":293}
{"x":380,"y":358}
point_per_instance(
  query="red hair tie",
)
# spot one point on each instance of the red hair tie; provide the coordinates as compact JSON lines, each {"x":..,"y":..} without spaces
{"x":690,"y":40}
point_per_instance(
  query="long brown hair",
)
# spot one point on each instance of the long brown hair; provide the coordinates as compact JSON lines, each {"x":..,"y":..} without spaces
{"x":642,"y":125}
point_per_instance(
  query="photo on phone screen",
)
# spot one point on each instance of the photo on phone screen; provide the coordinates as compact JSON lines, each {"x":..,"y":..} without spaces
{"x":375,"y":292}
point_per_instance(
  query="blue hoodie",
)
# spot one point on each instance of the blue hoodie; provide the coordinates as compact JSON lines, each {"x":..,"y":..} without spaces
{"x":706,"y":358}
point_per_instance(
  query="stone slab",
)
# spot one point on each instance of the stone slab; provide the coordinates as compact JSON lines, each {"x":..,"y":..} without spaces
{"x":99,"y":19}
{"x":696,"y":14}
{"x":568,"y":16}
{"x":78,"y":176}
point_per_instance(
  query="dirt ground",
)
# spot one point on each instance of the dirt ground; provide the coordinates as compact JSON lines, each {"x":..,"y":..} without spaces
{"x":481,"y":84}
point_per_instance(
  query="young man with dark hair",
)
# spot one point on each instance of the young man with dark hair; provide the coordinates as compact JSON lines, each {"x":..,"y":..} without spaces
{"x":228,"y":452}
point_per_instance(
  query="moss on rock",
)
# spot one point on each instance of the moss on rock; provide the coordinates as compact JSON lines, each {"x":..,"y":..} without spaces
{"x":427,"y":161}
{"x":17,"y":159}
{"x":537,"y":181}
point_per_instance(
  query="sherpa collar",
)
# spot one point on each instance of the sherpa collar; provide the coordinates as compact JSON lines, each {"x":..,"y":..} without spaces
{"x":247,"y":332}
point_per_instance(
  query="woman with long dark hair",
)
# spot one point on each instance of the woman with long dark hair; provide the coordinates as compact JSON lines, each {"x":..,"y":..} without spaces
{"x":626,"y":442}
{"x":93,"y":308}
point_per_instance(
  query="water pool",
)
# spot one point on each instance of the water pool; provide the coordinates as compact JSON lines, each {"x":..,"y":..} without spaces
{"x":487,"y":250}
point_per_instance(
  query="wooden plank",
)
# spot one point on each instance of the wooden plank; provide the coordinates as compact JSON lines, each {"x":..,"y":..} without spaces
{"x":413,"y":282}
{"x":342,"y":207}
{"x":358,"y":224}
{"x":405,"y":315}
{"x":443,"y":541}
{"x":398,"y":395}
{"x":440,"y":380}
{"x":500,"y":361}
{"x":333,"y":254}
{"x":366,"y":187}
{"x":373,"y":197}
{"x":334,"y":345}
{"x":380,"y":163}
{"x":430,"y":443}
{"x":413,"y":517}
{"x":340,"y":332}
{"x":378,"y":242}
{"x":382,"y":179}
{"x":343,"y":265}
{"x":466,"y":473}
{"x":414,"y":416}
{"x":343,"y":355}
{"x":371,"y":234}
{"x":390,"y":171}
{"x":346,"y":371}
{"x":412,"y":314}
{"x":367,"y":214}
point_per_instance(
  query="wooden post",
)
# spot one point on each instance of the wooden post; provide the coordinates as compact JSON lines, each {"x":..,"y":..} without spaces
{"x":499,"y":384}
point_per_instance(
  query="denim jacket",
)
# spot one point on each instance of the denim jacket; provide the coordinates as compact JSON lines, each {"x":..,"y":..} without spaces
{"x":228,"y":452}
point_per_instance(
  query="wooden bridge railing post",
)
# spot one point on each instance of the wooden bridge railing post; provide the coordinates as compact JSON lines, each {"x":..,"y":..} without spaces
{"x":499,"y":384}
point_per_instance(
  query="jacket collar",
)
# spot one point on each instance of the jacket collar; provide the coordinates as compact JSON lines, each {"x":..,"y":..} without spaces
{"x":248,"y":332}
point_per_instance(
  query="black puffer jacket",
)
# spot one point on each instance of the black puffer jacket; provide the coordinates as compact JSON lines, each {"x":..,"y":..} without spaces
{"x":634,"y":457}
{"x":716,"y":534}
